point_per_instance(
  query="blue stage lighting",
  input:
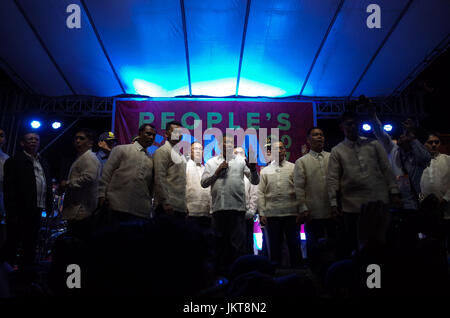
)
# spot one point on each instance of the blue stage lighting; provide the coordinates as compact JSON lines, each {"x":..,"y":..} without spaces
{"x":35,"y":124}
{"x":258,"y":240}
{"x":387,"y":127}
{"x":56,"y":125}
{"x":366,"y":127}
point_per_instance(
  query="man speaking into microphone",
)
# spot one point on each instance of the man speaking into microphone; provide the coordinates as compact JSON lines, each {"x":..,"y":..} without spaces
{"x":225,"y":174}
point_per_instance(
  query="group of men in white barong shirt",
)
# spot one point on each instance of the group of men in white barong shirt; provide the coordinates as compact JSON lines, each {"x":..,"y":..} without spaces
{"x":226,"y":194}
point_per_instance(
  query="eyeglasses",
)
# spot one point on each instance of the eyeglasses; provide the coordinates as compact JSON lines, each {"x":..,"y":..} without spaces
{"x":437,"y":142}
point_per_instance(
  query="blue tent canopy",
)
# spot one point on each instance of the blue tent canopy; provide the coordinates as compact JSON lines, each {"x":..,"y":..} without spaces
{"x":273,"y":48}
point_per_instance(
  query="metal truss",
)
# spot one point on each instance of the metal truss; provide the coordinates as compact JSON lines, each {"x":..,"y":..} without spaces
{"x":73,"y":106}
{"x":91,"y":106}
{"x":401,"y":106}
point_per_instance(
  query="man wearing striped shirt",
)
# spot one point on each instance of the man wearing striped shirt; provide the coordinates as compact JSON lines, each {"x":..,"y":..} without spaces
{"x":225,"y":174}
{"x":81,"y":187}
{"x":127,"y":181}
{"x":310,"y":179}
{"x":278,"y":206}
{"x":359,"y":170}
{"x":170,"y":175}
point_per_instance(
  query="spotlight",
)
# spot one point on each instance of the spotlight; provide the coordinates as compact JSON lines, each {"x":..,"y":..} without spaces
{"x":303,"y":236}
{"x":56,"y":125}
{"x":35,"y":124}
{"x":258,"y":240}
{"x":366,"y":127}
{"x":387,"y":127}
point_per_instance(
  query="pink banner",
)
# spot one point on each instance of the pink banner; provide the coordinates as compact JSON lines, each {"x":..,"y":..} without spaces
{"x":293,"y":119}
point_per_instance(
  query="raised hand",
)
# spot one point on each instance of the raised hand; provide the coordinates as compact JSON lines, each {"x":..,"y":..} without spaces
{"x":222,"y":166}
{"x":251,"y":166}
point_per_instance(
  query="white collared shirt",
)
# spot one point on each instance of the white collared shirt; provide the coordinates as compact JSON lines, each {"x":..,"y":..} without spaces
{"x":170,"y":177}
{"x":228,"y":190}
{"x":198,"y":199}
{"x":127,"y":180}
{"x":362,"y":173}
{"x":80,"y":199}
{"x":41,"y":183}
{"x":310,"y":179}
{"x":276,"y":190}
{"x":436,"y":178}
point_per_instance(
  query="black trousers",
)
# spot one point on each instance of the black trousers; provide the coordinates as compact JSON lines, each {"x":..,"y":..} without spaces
{"x":120,"y":217}
{"x":22,"y":232}
{"x":316,"y":230}
{"x":265,"y":251}
{"x":203,"y":222}
{"x":347,"y":234}
{"x":287,"y":226}
{"x":159,"y":212}
{"x":249,"y":236}
{"x":80,"y":229}
{"x":229,"y":227}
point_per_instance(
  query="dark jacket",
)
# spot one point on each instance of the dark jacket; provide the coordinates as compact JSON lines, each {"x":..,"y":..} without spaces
{"x":19,"y":183}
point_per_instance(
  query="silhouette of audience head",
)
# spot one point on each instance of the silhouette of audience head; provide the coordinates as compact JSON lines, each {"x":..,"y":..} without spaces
{"x":159,"y":257}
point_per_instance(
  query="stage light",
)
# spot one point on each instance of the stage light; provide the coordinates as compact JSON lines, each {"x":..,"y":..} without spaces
{"x":366,"y":127}
{"x":302,"y":233}
{"x":258,"y":240}
{"x":56,"y":125}
{"x":387,"y":127}
{"x":35,"y":124}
